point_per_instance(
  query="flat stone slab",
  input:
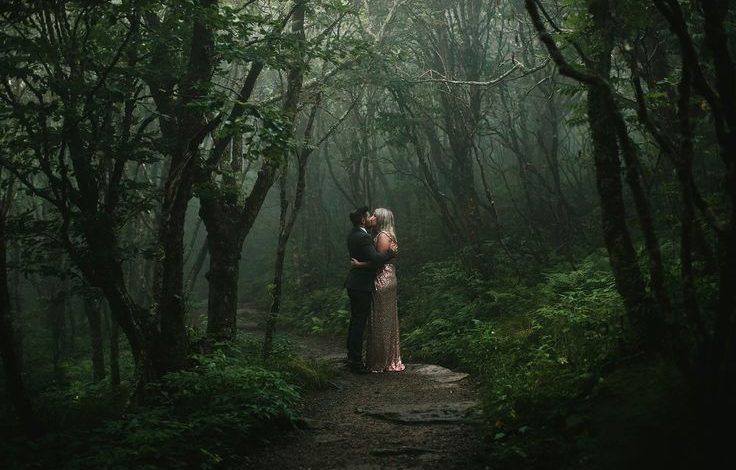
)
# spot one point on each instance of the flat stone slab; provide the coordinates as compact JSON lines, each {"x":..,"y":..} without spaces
{"x":437,"y":373}
{"x":424,"y":413}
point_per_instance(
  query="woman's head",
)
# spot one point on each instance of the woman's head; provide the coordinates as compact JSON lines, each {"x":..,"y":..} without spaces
{"x":385,"y":221}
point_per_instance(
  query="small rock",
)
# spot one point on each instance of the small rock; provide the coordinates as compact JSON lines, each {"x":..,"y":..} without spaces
{"x":438,"y":373}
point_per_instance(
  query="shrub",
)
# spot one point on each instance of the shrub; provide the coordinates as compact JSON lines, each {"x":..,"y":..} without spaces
{"x":319,"y":311}
{"x":203,"y":417}
{"x":540,"y":363}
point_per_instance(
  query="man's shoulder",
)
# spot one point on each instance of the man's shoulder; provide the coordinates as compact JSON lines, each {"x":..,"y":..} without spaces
{"x":359,"y":237}
{"x":357,"y":232}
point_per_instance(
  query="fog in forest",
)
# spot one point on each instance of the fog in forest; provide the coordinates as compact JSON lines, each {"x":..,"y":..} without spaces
{"x":176,"y":186}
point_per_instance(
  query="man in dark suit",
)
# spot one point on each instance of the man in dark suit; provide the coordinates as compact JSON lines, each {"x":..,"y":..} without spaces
{"x":361,"y":282}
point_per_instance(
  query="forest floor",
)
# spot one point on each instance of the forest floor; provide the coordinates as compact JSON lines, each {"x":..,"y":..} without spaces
{"x":415,"y":419}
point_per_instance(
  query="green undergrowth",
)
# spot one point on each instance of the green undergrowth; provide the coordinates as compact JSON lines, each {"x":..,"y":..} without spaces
{"x":208,"y":416}
{"x":546,"y":351}
{"x":321,"y":311}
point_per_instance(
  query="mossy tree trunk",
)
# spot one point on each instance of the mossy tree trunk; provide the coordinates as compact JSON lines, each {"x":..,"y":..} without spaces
{"x":8,"y":352}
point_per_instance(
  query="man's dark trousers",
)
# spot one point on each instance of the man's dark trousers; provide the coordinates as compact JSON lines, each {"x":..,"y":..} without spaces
{"x":360,"y":308}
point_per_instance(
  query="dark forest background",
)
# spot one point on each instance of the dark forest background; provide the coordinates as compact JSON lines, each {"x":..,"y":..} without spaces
{"x":562,"y":172}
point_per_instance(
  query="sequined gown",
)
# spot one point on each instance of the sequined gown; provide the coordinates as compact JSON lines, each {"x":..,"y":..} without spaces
{"x":382,"y":351}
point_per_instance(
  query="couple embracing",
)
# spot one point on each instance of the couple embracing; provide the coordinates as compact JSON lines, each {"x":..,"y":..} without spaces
{"x":371,"y":286}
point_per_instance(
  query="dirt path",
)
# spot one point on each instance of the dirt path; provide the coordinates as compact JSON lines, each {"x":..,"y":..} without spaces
{"x":412,"y":419}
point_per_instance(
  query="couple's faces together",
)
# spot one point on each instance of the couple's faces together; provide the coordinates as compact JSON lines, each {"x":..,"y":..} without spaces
{"x":369,"y":219}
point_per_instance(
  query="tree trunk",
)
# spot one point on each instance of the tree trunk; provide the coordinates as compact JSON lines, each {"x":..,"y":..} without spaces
{"x":71,"y":313}
{"x":622,"y":254}
{"x":563,"y":211}
{"x":286,"y":225}
{"x":57,"y":321}
{"x":94,"y":319}
{"x":11,"y":363}
{"x":463,"y":187}
{"x":172,"y":345}
{"x":114,"y":337}
{"x":278,"y":271}
{"x":723,"y":375}
{"x":224,"y":248}
{"x":198,"y":264}
{"x":102,"y":268}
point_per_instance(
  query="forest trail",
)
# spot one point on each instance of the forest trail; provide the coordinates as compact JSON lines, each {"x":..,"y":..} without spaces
{"x":414,"y":419}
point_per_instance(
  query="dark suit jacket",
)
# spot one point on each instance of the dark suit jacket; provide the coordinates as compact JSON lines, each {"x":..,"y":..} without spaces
{"x":360,"y":246}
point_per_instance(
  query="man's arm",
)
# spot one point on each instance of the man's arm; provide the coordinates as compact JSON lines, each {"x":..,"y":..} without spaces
{"x":369,"y":252}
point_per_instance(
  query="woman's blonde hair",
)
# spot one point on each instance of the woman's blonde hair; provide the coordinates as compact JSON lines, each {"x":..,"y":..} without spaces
{"x":385,"y":221}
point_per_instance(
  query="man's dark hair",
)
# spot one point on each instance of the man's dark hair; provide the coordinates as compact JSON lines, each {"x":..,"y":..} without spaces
{"x":357,"y":215}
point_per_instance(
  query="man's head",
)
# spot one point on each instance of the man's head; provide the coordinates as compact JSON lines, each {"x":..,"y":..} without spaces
{"x":361,"y":217}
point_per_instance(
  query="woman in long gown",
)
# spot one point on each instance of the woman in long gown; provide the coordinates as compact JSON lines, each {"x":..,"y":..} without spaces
{"x":383,"y":351}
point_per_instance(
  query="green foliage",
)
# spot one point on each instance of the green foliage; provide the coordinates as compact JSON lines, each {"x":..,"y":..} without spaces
{"x":573,"y":325}
{"x":217,"y":406}
{"x":319,"y":311}
{"x":207,"y":416}
{"x":443,"y":306}
{"x":535,"y":347}
{"x":305,"y":373}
